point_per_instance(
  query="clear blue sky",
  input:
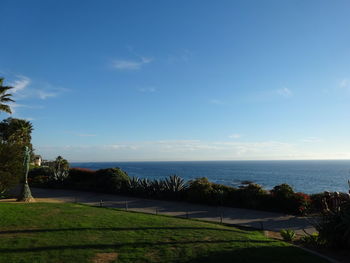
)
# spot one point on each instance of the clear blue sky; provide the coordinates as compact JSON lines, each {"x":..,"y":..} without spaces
{"x":180,"y":80}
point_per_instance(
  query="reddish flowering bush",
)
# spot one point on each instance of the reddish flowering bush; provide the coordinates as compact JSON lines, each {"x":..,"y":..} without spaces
{"x":286,"y":200}
{"x":302,"y":210}
{"x":304,"y":202}
{"x":304,"y":196}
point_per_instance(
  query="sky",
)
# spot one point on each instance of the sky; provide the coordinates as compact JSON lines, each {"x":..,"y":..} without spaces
{"x":180,"y":80}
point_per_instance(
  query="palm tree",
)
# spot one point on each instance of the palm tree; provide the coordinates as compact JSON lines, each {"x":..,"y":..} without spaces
{"x":16,"y":131}
{"x":24,"y":130}
{"x":5,"y":97}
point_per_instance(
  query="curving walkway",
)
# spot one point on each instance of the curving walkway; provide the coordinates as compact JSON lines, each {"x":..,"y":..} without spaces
{"x":236,"y":216}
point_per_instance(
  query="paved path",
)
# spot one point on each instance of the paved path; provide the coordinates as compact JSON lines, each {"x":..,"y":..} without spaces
{"x":236,"y":216}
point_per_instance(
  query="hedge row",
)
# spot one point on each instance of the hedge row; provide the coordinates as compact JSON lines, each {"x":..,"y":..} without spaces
{"x":281,"y":198}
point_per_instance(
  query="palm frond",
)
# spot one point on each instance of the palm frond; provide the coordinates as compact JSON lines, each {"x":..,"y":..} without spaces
{"x":5,"y":108}
{"x":5,"y":97}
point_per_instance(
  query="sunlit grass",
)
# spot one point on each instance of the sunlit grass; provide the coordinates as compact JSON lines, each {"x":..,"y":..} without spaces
{"x":48,"y":232}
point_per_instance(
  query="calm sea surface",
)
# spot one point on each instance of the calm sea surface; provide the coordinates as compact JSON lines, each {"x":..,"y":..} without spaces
{"x":304,"y":176}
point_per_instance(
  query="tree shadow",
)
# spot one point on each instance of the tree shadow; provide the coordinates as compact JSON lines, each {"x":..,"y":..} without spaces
{"x":115,"y":229}
{"x":131,"y":244}
{"x":268,"y":254}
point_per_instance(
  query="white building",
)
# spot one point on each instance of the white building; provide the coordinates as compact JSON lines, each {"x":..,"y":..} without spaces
{"x":37,"y":160}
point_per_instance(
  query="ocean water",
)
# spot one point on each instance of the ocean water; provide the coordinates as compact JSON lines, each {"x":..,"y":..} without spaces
{"x":303,"y":176}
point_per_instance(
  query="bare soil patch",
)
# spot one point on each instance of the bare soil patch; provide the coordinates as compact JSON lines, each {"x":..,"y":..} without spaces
{"x":37,"y":200}
{"x":105,"y":257}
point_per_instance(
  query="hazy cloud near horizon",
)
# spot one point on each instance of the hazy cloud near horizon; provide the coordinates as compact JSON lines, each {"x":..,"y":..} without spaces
{"x":186,"y":150}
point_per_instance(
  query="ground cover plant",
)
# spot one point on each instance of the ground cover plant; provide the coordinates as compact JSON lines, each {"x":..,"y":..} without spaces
{"x":57,"y":232}
{"x":287,"y":234}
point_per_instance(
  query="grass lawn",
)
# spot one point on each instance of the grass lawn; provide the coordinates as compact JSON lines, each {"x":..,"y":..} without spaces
{"x":57,"y":232}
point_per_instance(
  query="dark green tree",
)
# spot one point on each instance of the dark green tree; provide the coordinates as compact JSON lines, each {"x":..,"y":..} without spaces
{"x":11,"y":166}
{"x":16,"y":134}
{"x":17,"y":131}
{"x":15,"y":147}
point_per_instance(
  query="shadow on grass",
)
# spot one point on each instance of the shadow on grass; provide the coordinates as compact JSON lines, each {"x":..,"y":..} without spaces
{"x":115,"y":229}
{"x":259,"y":254}
{"x":131,"y":244}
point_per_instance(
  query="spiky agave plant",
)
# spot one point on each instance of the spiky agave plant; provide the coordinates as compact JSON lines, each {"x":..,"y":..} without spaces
{"x":174,"y":184}
{"x":157,"y":187}
{"x":145,"y":186}
{"x":287,"y":234}
{"x":133,"y":183}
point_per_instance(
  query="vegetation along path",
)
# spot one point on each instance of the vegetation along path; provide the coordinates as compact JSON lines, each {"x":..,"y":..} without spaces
{"x":68,"y":232}
{"x":236,"y":216}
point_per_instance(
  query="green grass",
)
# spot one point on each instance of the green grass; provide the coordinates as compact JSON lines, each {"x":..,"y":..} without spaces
{"x":48,"y":232}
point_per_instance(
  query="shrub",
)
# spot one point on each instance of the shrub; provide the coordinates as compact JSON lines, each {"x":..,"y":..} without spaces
{"x":111,"y":180}
{"x":312,"y":240}
{"x":283,"y":191}
{"x":286,"y":200}
{"x":222,"y":194}
{"x":40,"y":176}
{"x":200,"y":191}
{"x":54,"y":174}
{"x":287,"y":234}
{"x":316,"y":202}
{"x":303,"y":201}
{"x":40,"y":171}
{"x":81,"y":178}
{"x":39,"y":181}
{"x":252,"y":196}
{"x":334,"y":227}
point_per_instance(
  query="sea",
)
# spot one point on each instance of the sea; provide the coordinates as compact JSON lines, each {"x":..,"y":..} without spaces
{"x":304,"y":176}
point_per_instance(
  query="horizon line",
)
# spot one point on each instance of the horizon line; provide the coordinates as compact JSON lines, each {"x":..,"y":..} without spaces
{"x":256,"y":160}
